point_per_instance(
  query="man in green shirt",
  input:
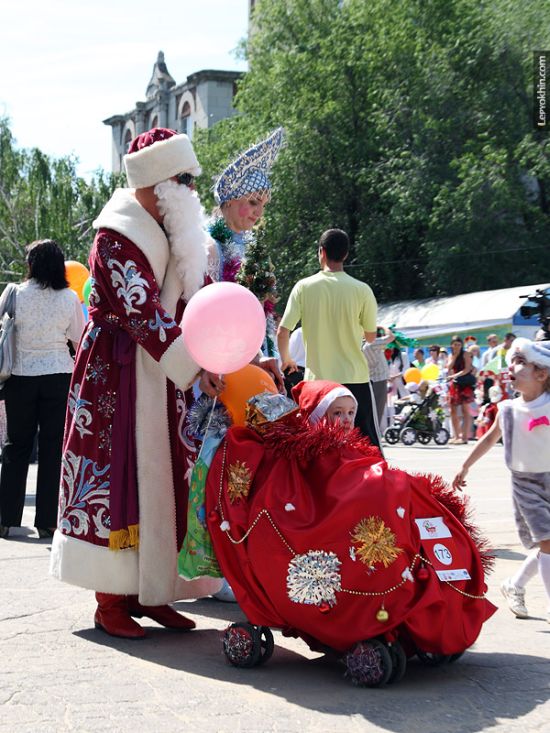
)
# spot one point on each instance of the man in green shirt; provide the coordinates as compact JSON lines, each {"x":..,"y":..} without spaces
{"x":337,"y":312}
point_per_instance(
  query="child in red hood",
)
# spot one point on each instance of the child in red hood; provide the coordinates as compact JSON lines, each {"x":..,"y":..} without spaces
{"x":320,"y":399}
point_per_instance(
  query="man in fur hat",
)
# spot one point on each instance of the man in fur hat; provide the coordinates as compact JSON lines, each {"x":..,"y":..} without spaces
{"x":123,"y":497}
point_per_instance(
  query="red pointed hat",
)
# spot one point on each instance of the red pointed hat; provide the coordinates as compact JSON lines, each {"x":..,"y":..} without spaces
{"x":157,"y":155}
{"x":316,"y":396}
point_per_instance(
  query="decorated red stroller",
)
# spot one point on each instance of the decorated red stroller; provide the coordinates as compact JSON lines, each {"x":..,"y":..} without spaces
{"x":318,"y":537}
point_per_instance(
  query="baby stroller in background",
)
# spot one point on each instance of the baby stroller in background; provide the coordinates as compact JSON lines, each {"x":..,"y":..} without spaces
{"x":420,"y":422}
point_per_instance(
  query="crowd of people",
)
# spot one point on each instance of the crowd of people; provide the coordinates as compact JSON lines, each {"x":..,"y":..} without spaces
{"x":120,"y":459}
{"x":464,"y":376}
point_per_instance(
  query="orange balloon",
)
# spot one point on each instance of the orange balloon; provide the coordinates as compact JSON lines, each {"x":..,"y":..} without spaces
{"x":76,"y":275}
{"x":240,"y":386}
{"x":412,"y":374}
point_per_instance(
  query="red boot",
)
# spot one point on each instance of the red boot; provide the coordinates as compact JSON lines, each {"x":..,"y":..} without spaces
{"x":163,"y":615}
{"x":113,"y":617}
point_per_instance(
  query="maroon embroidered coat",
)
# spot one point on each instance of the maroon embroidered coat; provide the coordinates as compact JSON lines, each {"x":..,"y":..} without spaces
{"x":126,"y":455}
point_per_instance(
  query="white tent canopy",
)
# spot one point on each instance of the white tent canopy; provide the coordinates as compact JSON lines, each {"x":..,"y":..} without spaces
{"x":485,"y":310}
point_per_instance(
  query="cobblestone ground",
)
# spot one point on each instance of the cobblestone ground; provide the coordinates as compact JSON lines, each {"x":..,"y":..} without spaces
{"x":59,"y":674}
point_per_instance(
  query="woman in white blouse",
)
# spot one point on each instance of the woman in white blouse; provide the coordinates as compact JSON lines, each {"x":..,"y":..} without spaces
{"x":47,"y":316}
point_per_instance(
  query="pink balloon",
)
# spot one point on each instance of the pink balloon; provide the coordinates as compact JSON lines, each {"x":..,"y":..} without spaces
{"x":223,"y":327}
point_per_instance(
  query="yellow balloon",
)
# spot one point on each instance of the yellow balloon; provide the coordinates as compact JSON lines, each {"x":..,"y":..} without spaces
{"x":412,"y":375}
{"x":430,"y":372}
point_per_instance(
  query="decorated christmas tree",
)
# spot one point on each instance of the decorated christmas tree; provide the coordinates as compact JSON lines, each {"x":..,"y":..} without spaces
{"x":256,"y":273}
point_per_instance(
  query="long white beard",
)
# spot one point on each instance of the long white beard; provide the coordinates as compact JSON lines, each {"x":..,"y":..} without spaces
{"x":185,"y":225}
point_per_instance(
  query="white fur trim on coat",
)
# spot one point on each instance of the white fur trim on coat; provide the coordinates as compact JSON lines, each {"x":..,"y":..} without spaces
{"x":178,"y":365}
{"x":104,"y":571}
{"x":124,"y":214}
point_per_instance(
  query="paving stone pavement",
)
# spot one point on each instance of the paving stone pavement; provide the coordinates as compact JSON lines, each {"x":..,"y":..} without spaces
{"x":59,"y":674}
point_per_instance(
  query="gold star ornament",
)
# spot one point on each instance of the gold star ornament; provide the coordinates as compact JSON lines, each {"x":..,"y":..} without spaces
{"x":375,"y":542}
{"x":239,"y":481}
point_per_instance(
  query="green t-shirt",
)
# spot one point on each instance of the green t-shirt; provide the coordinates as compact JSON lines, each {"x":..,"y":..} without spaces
{"x":335,"y":310}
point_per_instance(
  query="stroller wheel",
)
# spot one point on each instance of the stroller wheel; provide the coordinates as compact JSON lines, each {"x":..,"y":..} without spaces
{"x":266,"y":643}
{"x":430,"y":659}
{"x":368,"y":664}
{"x":424,"y":438}
{"x":408,"y":436}
{"x":441,"y":436}
{"x":242,"y":645}
{"x":399,"y":661}
{"x":391,"y":436}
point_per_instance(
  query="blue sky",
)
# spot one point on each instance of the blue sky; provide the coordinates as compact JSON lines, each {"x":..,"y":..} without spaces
{"x":66,"y":65}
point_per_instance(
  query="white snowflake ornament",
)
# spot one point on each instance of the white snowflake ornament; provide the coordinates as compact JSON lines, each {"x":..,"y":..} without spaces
{"x":314,"y":578}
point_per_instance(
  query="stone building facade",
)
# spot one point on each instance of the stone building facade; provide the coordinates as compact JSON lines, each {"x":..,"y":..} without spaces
{"x":201,"y":100}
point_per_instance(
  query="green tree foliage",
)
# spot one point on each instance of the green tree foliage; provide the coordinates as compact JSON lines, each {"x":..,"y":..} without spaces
{"x":42,"y":197}
{"x":409,"y":126}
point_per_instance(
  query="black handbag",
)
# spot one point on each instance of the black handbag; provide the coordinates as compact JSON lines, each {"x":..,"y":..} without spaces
{"x":466,"y":380}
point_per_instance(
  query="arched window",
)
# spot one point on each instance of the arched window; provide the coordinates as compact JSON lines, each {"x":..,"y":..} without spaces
{"x":186,"y":124}
{"x":127,"y":137}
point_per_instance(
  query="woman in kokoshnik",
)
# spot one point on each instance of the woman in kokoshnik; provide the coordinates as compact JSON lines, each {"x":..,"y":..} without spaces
{"x":242,"y":191}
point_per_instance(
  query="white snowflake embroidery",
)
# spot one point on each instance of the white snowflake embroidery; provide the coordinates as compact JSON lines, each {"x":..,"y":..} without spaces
{"x":107,"y":247}
{"x":105,"y":438}
{"x":77,"y":407}
{"x":106,"y":403}
{"x":137,"y":328}
{"x":97,"y":371}
{"x":129,"y":284}
{"x":314,"y":577}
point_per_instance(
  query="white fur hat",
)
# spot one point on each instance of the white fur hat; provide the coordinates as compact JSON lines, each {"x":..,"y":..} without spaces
{"x":535,"y":352}
{"x":157,"y":155}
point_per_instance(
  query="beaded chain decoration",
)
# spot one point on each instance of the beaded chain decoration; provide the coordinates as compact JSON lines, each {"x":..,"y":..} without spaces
{"x":314,"y":577}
